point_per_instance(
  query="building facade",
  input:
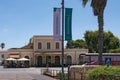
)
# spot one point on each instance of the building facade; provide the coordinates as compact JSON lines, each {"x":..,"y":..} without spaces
{"x":43,"y":50}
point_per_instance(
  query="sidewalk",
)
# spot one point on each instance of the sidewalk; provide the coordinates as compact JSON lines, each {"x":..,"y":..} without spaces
{"x":13,"y":76}
{"x":22,"y":74}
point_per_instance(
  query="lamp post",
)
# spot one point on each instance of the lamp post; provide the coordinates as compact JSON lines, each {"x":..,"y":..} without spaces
{"x":75,"y":58}
{"x":62,"y":36}
{"x":2,"y":45}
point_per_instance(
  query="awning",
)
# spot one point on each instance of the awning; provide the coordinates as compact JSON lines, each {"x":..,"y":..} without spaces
{"x":14,"y":56}
{"x":23,"y":59}
{"x":10,"y":59}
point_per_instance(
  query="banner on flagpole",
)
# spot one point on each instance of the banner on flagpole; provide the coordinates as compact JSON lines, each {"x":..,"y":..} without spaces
{"x":68,"y":23}
{"x":56,"y":23}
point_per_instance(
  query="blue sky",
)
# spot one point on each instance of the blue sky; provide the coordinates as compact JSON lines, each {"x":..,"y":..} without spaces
{"x":22,"y":19}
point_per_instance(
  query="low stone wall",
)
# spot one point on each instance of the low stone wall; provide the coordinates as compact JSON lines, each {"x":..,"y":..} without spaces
{"x":78,"y":72}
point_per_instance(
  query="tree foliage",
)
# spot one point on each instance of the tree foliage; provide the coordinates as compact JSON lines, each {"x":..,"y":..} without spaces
{"x":91,"y":38}
{"x":76,"y":44}
{"x":104,"y":73}
{"x":115,"y":50}
{"x":110,"y":44}
{"x":109,"y":41}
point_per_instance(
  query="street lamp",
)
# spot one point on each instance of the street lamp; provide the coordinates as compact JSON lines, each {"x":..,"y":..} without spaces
{"x":62,"y":36}
{"x":2,"y":45}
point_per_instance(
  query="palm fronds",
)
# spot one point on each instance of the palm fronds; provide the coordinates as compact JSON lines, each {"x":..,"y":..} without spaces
{"x":98,"y":6}
{"x":84,"y":2}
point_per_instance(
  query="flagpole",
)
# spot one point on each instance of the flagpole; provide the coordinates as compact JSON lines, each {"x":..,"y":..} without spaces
{"x":62,"y":36}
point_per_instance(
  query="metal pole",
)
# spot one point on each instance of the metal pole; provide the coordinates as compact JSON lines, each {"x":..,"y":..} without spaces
{"x":62,"y":36}
{"x":68,"y":72}
{"x":75,"y":58}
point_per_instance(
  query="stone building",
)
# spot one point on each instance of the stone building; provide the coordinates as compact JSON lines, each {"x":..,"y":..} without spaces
{"x":43,"y":50}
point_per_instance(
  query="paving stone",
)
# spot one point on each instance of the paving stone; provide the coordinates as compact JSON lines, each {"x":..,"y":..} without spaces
{"x":22,"y":74}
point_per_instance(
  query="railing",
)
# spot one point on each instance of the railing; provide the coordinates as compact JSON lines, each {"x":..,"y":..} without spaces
{"x":55,"y":73}
{"x":77,"y":75}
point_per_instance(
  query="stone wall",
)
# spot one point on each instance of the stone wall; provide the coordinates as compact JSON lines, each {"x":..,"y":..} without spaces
{"x":78,"y":72}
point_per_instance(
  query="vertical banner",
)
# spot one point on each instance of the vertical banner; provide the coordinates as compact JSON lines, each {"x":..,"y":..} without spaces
{"x":68,"y":23}
{"x":56,"y":23}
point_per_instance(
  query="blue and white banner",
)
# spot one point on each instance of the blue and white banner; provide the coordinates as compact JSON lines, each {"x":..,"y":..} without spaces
{"x":56,"y":23}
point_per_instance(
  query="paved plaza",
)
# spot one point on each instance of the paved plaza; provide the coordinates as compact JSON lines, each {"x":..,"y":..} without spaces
{"x":23,"y":74}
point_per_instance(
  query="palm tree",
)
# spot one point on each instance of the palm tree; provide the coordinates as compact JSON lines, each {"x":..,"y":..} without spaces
{"x":2,"y":45}
{"x":98,"y":9}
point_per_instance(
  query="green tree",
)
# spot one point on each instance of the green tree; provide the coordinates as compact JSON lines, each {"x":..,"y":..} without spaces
{"x":98,"y":9}
{"x":80,"y":44}
{"x":70,"y":44}
{"x":91,"y":38}
{"x":115,"y":50}
{"x":76,"y":44}
{"x":110,"y":41}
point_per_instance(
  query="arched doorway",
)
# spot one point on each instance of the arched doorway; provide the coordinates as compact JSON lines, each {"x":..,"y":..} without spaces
{"x":57,"y":60}
{"x":48,"y":60}
{"x":27,"y":64}
{"x":69,"y":60}
{"x":39,"y":61}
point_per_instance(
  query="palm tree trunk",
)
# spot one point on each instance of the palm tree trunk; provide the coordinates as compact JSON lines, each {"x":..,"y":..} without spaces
{"x":98,"y":8}
{"x":100,"y":37}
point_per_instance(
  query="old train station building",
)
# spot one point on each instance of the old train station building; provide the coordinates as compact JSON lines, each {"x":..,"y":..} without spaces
{"x":43,"y":50}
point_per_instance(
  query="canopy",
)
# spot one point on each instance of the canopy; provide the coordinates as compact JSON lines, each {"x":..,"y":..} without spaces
{"x":10,"y":59}
{"x":23,"y":59}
